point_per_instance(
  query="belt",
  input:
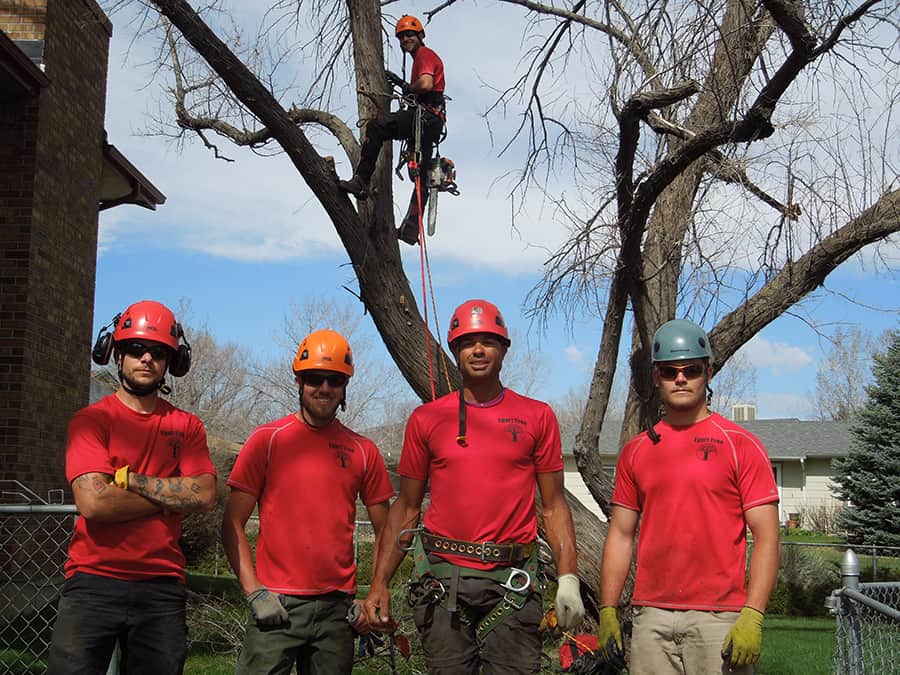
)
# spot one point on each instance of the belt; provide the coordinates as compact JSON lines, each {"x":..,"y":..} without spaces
{"x":484,"y":551}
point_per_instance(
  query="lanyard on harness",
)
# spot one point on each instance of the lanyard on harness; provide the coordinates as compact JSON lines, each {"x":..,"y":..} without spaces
{"x":518,"y":582}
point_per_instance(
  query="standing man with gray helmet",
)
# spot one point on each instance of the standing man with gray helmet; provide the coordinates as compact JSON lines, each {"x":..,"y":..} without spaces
{"x":695,"y":482}
{"x":481,"y":451}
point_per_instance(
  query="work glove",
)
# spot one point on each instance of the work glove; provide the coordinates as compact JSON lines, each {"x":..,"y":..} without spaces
{"x":395,"y":79}
{"x":744,"y":640}
{"x":266,"y":608}
{"x":569,"y":608}
{"x":609,"y":635}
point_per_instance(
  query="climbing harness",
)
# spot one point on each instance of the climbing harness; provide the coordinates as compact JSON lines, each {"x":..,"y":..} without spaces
{"x":437,"y":582}
{"x":441,"y":177}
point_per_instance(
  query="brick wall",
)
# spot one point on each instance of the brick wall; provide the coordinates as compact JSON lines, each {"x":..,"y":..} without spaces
{"x":50,"y":169}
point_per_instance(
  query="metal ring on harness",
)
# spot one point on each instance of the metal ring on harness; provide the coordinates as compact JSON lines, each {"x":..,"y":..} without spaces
{"x":515,"y":573}
{"x":412,"y":542}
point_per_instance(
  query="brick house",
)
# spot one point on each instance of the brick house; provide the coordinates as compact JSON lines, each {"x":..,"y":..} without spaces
{"x":57,"y":171}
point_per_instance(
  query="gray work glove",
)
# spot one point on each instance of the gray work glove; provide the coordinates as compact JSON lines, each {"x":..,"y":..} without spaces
{"x":266,"y":608}
{"x":569,"y":607}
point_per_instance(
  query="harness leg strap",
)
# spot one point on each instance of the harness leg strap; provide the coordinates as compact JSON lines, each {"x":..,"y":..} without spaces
{"x":454,"y":587}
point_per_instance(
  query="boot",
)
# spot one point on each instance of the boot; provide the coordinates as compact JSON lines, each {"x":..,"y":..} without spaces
{"x":355,"y":186}
{"x":409,"y":228}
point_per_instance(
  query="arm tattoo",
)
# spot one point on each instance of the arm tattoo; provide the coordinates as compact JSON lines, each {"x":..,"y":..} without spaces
{"x":92,"y":481}
{"x":177,"y":493}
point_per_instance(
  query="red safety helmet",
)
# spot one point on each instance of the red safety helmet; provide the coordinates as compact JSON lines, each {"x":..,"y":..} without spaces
{"x":477,"y":316}
{"x":324,"y":350}
{"x":148,"y":320}
{"x":408,"y":22}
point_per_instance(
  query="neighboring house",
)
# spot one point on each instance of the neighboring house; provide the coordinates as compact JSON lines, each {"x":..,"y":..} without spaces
{"x":801,"y":452}
{"x":57,"y":171}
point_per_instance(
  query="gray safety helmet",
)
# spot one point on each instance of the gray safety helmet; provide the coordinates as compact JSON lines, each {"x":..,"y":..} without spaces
{"x":680,"y":340}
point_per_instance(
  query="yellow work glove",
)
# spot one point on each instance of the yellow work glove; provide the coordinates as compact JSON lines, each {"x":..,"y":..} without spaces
{"x":609,"y":635}
{"x":744,"y":640}
{"x":121,"y":477}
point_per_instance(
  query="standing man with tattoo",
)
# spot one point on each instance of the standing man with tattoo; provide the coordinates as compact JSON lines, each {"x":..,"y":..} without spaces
{"x":136,"y":465}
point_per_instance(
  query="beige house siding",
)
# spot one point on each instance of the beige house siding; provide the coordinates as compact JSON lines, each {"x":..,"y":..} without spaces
{"x":818,"y":482}
{"x":575,"y":484}
{"x":804,"y":487}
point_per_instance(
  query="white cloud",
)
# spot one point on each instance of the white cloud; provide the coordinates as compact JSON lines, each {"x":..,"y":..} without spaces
{"x":574,"y":355}
{"x":763,"y":353}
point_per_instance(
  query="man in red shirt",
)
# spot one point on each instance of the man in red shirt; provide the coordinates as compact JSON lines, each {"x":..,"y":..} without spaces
{"x":426,"y":93}
{"x":695,"y":482}
{"x":304,"y":472}
{"x":480,"y":450}
{"x":136,"y":465}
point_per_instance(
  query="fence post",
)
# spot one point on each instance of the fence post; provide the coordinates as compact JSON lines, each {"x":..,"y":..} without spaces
{"x":850,"y":579}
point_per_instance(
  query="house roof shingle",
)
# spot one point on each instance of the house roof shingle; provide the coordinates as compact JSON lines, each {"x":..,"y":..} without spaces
{"x":784,"y":439}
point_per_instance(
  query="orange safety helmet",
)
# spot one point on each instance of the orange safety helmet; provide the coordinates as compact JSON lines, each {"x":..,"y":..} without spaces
{"x":477,"y":316}
{"x":408,"y":22}
{"x":324,"y":350}
{"x":148,"y":320}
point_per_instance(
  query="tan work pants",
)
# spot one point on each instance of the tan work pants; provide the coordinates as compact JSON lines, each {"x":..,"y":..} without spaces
{"x":678,"y":642}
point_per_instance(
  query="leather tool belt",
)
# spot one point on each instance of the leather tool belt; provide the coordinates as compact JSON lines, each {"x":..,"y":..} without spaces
{"x":485,"y":551}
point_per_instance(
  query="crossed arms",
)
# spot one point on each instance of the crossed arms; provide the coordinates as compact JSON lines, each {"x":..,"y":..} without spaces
{"x":98,"y":498}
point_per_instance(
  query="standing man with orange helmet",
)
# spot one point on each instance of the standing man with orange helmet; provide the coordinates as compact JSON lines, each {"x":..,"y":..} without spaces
{"x":475,"y":593}
{"x":136,"y":465}
{"x":304,"y":472}
{"x":425,"y":91}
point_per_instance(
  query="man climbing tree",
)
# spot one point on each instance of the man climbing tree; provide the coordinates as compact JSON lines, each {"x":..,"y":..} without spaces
{"x":425,"y":95}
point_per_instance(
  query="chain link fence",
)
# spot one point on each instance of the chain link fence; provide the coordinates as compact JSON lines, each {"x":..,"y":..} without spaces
{"x":867,"y":633}
{"x":34,"y":539}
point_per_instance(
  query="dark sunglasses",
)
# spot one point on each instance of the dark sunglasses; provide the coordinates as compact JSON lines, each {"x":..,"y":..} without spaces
{"x":691,"y":372}
{"x":138,"y":349}
{"x":407,"y":33}
{"x":334,"y":380}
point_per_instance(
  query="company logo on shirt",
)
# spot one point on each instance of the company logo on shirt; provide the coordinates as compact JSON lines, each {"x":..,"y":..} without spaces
{"x":343,"y":454}
{"x":175,"y":440}
{"x":513,"y":426}
{"x":706,"y":451}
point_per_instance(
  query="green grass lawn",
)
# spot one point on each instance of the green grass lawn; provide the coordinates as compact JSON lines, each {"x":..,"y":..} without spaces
{"x":797,"y":646}
{"x":791,"y":646}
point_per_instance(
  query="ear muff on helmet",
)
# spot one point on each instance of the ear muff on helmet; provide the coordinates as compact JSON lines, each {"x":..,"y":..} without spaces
{"x":103,"y":345}
{"x":180,"y":363}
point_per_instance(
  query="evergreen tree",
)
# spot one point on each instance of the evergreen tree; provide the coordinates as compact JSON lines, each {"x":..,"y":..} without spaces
{"x":869,"y":478}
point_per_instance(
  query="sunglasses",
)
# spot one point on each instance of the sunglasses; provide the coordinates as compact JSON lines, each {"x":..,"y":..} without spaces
{"x":407,"y":33}
{"x":138,"y":349}
{"x":334,"y":380}
{"x":690,"y":372}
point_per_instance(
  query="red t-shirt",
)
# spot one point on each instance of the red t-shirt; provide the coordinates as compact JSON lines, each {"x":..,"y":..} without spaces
{"x":168,"y":442}
{"x":427,"y":62}
{"x":306,"y":481}
{"x":691,"y":490}
{"x":483,"y":490}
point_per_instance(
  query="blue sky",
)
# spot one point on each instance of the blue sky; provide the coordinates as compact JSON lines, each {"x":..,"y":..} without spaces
{"x":243,"y":240}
